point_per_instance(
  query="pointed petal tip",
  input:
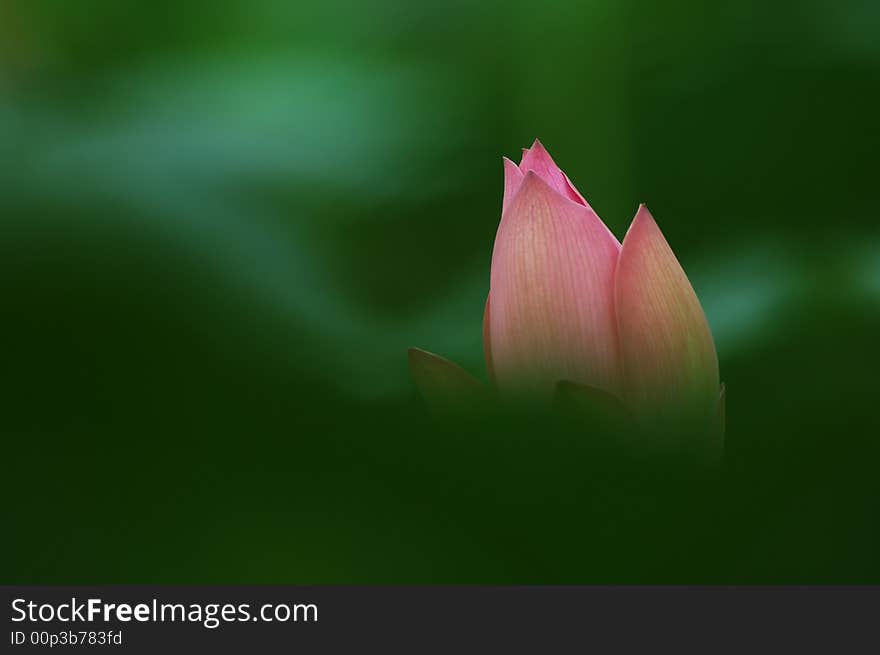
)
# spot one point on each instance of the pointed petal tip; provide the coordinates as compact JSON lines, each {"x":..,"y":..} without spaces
{"x":444,"y":384}
{"x":512,"y":181}
{"x":531,"y":181}
{"x":535,"y":144}
{"x":643,"y":214}
{"x":642,"y":222}
{"x":533,"y":185}
{"x":511,"y":168}
{"x":414,"y":353}
{"x":417,"y":358}
{"x":533,"y":177}
{"x":537,"y":159}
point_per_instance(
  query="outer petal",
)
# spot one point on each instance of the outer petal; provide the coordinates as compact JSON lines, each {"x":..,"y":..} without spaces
{"x":513,"y":178}
{"x":537,"y":159}
{"x":444,"y":385}
{"x":670,"y":366}
{"x":487,"y":343}
{"x":552,"y":315}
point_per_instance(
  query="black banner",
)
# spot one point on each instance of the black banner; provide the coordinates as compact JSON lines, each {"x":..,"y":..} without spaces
{"x":454,"y":619}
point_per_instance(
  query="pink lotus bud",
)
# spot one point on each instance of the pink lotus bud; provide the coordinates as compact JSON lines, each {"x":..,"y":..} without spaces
{"x":568,"y":303}
{"x":551,"y":302}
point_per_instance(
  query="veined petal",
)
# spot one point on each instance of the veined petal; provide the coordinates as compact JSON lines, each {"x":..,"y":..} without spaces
{"x":552,"y":294}
{"x":537,"y":159}
{"x":670,"y":366}
{"x":444,"y":385}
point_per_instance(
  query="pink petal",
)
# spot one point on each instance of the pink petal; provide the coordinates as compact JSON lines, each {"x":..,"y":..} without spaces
{"x":444,"y":385}
{"x":513,"y":177}
{"x":552,"y":282}
{"x":537,"y":159}
{"x":670,"y":367}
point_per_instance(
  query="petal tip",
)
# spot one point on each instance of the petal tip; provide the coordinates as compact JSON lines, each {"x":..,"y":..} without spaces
{"x":540,"y":161}
{"x":414,"y":353}
{"x":531,"y":180}
{"x":443,"y":384}
{"x":643,"y":213}
{"x":643,"y":220}
{"x":511,"y":170}
{"x":512,"y":181}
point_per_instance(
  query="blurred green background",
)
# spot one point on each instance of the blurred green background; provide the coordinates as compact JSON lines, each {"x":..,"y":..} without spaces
{"x":223,"y":223}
